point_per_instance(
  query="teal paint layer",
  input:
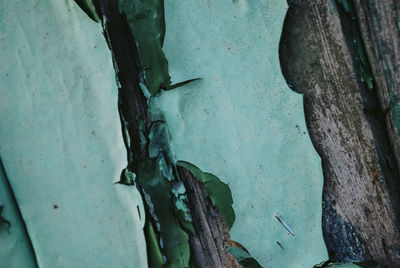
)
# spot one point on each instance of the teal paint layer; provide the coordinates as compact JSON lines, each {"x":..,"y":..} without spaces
{"x":61,"y":143}
{"x":166,"y":199}
{"x":242,"y":123}
{"x":15,"y":249}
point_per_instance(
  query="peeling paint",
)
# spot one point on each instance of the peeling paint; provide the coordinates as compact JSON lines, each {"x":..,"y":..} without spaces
{"x":147,"y":23}
{"x":218,"y":192}
{"x":156,"y":175}
{"x":88,"y":7}
{"x":151,"y":164}
{"x":243,"y":257}
{"x":169,"y":216}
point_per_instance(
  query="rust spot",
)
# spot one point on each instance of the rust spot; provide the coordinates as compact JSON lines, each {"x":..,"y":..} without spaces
{"x":235,"y":244}
{"x":374,"y":175}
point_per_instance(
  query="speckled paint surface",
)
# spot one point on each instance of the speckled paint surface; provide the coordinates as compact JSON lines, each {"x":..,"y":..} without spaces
{"x":15,"y":250}
{"x":61,"y":142}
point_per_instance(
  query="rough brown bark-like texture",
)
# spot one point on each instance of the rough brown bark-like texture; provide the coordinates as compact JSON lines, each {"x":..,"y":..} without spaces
{"x":322,"y":57}
{"x":380,"y":28}
{"x":212,"y":234}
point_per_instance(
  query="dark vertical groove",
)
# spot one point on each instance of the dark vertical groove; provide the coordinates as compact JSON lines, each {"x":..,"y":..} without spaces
{"x":132,"y":103}
{"x":372,"y":110}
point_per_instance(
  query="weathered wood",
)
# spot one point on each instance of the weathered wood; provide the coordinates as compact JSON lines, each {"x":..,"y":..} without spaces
{"x":319,"y":59}
{"x":212,"y":234}
{"x":379,"y":23}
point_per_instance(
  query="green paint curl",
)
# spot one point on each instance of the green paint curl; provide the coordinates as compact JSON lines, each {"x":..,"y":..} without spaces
{"x":218,"y":192}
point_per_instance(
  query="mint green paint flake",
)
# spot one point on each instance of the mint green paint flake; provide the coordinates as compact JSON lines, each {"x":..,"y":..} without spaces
{"x":239,"y":123}
{"x":243,"y":258}
{"x":146,"y":21}
{"x":170,"y":219}
{"x":164,"y":234}
{"x":89,"y":9}
{"x":61,"y":144}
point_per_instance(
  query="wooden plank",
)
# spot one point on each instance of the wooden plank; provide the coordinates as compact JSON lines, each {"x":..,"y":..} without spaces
{"x":379,"y":23}
{"x":320,"y":58}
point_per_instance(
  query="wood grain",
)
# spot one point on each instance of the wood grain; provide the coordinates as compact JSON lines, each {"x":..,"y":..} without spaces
{"x":379,"y":23}
{"x":212,"y":235}
{"x":361,"y":190}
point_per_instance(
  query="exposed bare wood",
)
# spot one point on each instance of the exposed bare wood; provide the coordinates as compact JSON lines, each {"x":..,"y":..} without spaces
{"x":212,"y":234}
{"x":345,"y":123}
{"x":379,"y":23}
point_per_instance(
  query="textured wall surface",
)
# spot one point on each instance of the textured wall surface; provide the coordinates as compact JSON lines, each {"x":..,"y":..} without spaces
{"x":61,"y":142}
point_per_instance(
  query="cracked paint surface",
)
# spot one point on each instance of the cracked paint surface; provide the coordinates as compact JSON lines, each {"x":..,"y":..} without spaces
{"x":62,"y":145}
{"x":242,"y":123}
{"x":146,"y":21}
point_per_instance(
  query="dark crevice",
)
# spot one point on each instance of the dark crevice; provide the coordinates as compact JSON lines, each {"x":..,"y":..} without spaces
{"x":19,"y":214}
{"x":132,"y":104}
{"x":150,"y":162}
{"x":180,"y":84}
{"x":4,"y":221}
{"x":372,"y":110}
